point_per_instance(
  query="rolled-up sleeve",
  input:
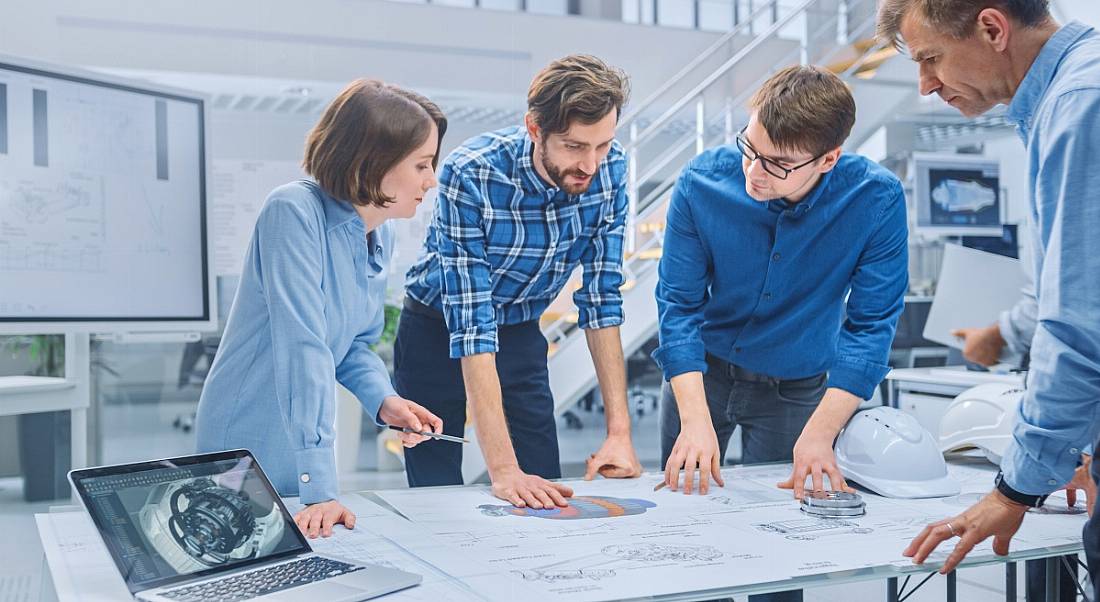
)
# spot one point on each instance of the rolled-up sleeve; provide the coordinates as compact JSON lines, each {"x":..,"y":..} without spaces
{"x":466,"y":279}
{"x":289,"y":243}
{"x":877,"y":298}
{"x":599,"y":299}
{"x":685,"y":273}
{"x":1060,"y":412}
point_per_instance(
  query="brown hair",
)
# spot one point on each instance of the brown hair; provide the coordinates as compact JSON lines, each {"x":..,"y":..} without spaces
{"x":364,"y":132}
{"x":956,"y":18}
{"x":805,"y":108}
{"x":577,"y":87}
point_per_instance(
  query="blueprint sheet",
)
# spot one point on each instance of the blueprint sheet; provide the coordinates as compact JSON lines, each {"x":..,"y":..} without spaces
{"x":620,"y":539}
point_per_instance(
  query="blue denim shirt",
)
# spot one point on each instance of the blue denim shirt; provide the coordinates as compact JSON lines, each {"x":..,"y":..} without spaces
{"x":763,"y":285}
{"x":502,"y":243}
{"x":1056,"y":110}
{"x":309,"y":305}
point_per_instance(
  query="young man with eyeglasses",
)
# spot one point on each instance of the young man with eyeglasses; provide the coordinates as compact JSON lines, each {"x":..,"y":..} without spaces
{"x":782,"y":279}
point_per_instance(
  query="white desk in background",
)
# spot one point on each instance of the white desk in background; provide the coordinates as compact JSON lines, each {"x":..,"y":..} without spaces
{"x":926,"y":392}
{"x":628,"y":542}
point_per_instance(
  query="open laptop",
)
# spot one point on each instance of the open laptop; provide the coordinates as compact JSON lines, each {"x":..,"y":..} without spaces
{"x":209,"y":528}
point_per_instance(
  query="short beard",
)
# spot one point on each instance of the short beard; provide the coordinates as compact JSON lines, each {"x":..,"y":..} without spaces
{"x":558,"y":177}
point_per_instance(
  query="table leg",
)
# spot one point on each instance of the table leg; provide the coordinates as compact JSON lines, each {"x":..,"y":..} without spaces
{"x":1010,"y":582}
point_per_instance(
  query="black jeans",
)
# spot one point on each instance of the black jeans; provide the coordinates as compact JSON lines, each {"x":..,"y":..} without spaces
{"x":425,"y":373}
{"x":771,"y":413}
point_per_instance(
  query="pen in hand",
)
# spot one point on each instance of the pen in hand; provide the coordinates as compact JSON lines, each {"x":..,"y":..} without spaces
{"x":440,"y":436}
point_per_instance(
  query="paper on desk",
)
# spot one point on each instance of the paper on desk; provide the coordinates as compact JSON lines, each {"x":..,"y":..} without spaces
{"x":81,"y":567}
{"x":652,"y":543}
{"x":973,"y":289}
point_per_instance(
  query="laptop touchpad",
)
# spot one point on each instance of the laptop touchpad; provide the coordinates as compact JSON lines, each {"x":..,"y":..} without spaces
{"x":320,"y":590}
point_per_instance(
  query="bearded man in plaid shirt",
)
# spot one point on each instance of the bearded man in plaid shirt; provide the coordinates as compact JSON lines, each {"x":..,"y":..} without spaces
{"x":518,"y":210}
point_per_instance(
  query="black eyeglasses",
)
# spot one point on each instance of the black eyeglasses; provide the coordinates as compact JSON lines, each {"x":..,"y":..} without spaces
{"x":769,"y":165}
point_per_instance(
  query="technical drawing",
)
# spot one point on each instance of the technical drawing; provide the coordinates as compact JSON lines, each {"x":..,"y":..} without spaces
{"x":36,"y":202}
{"x":579,"y":508}
{"x":551,"y":575}
{"x":747,"y":496}
{"x":593,"y":569}
{"x":198,"y":524}
{"x":656,"y":552}
{"x":811,"y":529}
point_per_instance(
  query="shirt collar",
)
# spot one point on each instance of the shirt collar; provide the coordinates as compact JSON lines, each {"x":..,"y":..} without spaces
{"x":1027,"y":97}
{"x":337,"y":212}
{"x":529,"y":176}
{"x":800,"y":208}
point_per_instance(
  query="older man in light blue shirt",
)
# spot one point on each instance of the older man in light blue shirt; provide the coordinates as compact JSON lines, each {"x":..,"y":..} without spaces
{"x":977,"y":55}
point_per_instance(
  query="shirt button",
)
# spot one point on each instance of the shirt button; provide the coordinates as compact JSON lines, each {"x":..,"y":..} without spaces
{"x":1052,"y":482}
{"x":776,"y":257}
{"x":737,"y":350}
{"x":1074,"y":451}
{"x":767,"y":296}
{"x":304,"y":477}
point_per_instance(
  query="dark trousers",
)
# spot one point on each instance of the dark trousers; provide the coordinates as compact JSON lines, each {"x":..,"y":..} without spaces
{"x":1091,"y":535}
{"x":425,"y":373}
{"x":771,"y":413}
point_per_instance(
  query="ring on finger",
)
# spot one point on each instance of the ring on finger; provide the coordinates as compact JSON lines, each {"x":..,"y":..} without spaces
{"x":952,"y":530}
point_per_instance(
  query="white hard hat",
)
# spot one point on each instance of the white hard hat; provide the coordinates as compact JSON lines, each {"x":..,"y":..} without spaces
{"x":890,"y":453}
{"x":981,"y":417}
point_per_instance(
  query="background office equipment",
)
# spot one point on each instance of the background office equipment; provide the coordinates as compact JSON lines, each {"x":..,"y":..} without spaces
{"x":103,"y":225}
{"x":102,"y":204}
{"x":174,"y":525}
{"x":957,"y":195}
{"x":974,"y":287}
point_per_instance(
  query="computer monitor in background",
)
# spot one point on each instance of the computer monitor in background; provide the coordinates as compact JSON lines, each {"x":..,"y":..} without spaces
{"x":957,"y":195}
{"x":103,"y":224}
{"x":1007,"y":244}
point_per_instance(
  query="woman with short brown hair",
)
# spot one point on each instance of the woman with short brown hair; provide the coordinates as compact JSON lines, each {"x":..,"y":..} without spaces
{"x":311,"y":298}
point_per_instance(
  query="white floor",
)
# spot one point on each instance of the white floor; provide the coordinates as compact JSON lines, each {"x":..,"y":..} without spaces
{"x":141,"y":431}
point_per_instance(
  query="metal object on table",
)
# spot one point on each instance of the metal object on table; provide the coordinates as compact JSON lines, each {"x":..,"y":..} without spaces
{"x":833,"y":504}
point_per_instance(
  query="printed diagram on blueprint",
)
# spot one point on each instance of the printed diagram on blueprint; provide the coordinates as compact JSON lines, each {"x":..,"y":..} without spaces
{"x":621,"y":540}
{"x":580,"y":508}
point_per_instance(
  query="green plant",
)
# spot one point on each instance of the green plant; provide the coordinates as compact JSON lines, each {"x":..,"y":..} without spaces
{"x":46,"y":352}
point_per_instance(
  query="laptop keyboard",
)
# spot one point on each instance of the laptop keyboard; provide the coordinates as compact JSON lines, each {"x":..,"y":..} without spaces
{"x":264,"y":581}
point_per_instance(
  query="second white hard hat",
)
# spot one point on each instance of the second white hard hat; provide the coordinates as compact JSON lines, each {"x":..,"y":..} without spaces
{"x":981,"y":417}
{"x":890,"y":453}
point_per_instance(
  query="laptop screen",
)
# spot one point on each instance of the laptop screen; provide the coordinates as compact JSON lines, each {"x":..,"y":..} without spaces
{"x":168,"y":520}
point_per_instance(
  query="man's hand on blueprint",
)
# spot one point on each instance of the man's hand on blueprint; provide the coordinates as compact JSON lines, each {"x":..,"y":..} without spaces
{"x":994,"y":515}
{"x":696,"y":448}
{"x":528,"y":490}
{"x":814,"y":456}
{"x":614,"y":460}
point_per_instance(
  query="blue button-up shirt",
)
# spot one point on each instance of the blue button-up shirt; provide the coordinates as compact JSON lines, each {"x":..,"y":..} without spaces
{"x":502,"y":243}
{"x":308,"y":307}
{"x":1056,"y":111}
{"x":763,"y":285}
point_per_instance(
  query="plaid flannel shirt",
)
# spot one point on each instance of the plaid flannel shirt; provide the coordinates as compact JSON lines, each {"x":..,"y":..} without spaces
{"x":502,"y":243}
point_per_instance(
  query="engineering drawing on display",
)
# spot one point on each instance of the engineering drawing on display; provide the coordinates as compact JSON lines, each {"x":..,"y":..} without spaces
{"x":197,"y":524}
{"x":579,"y":508}
{"x":963,"y":195}
{"x":602,"y":566}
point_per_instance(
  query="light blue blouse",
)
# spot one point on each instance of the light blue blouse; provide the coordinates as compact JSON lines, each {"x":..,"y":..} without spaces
{"x":309,"y":305}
